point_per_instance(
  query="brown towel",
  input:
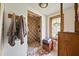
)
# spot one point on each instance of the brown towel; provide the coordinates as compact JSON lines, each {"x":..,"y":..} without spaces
{"x":16,"y":30}
{"x":12,"y":31}
{"x":22,"y":29}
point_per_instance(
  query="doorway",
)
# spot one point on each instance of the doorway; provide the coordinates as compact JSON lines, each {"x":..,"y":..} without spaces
{"x":34,"y":27}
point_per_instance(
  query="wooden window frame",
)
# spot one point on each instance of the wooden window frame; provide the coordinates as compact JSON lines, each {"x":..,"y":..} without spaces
{"x":50,"y":24}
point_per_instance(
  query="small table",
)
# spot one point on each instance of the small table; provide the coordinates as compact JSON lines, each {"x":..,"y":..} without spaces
{"x":48,"y":46}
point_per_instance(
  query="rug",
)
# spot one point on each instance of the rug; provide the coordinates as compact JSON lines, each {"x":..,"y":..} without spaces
{"x":36,"y":50}
{"x":41,"y":52}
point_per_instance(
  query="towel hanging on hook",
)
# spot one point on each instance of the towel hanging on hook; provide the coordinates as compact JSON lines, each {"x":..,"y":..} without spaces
{"x":17,"y":29}
{"x":12,"y":31}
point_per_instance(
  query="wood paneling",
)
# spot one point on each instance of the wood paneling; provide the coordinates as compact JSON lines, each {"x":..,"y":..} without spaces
{"x":32,"y":14}
{"x":77,"y":27}
{"x":67,"y":41}
{"x":76,"y":18}
{"x":76,"y":11}
{"x":62,"y":17}
{"x":10,"y":16}
{"x":68,"y":44}
{"x":34,"y":26}
{"x":16,"y":16}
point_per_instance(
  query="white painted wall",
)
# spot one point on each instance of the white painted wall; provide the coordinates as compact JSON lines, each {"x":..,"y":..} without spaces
{"x":69,"y":20}
{"x":0,"y":27}
{"x":19,"y":9}
{"x":1,"y":21}
{"x":17,"y":50}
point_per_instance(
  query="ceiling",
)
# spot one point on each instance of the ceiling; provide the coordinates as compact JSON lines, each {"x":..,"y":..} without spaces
{"x":52,"y":7}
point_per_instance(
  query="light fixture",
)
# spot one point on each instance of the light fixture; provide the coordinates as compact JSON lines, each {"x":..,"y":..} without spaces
{"x":43,"y":5}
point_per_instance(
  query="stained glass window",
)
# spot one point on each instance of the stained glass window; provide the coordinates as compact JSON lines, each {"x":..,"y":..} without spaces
{"x":55,"y":27}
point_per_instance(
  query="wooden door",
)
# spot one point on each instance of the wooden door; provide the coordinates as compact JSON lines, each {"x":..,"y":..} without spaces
{"x":34,"y":26}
